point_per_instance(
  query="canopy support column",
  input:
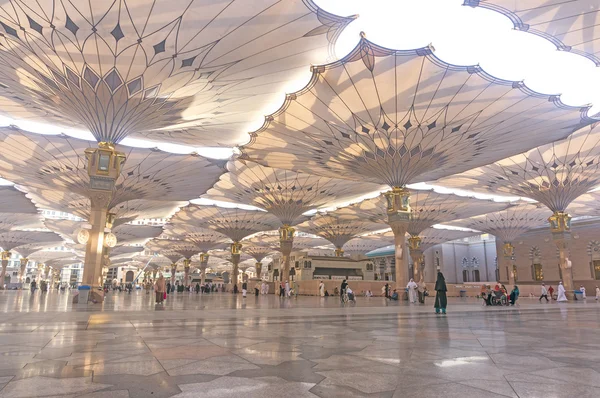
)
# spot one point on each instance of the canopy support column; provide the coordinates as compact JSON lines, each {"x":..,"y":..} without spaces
{"x":23,"y":269}
{"x":186,"y":271}
{"x":5,"y":258}
{"x":508,"y":252}
{"x":104,"y":167}
{"x":236,"y":251}
{"x":398,"y":211}
{"x":560,"y":225}
{"x":286,"y":243}
{"x":203,"y":265}
{"x":258,"y":267}
{"x":416,"y":254}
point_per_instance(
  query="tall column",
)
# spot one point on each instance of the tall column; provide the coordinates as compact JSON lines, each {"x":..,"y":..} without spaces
{"x":508,"y":252}
{"x":104,"y":166}
{"x":23,"y":269}
{"x":398,"y":211}
{"x":5,"y":257}
{"x":416,"y":254}
{"x":560,"y":225}
{"x":173,"y":272}
{"x":186,"y":271}
{"x":286,"y":243}
{"x":236,"y":251}
{"x":203,"y":265}
{"x":258,"y":267}
{"x":339,"y":252}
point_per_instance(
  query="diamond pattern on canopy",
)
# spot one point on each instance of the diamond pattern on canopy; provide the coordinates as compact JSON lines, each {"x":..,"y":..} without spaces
{"x":336,"y":230}
{"x":553,"y":174}
{"x":129,"y":66}
{"x":126,"y":234}
{"x":570,"y":25}
{"x":427,"y":208}
{"x":301,"y":241}
{"x":507,"y":225}
{"x":399,"y":117}
{"x":11,"y":240}
{"x":185,"y":249}
{"x":235,"y":223}
{"x":258,"y":252}
{"x":205,"y":239}
{"x":42,"y":240}
{"x":367,"y":243}
{"x":10,"y":221}
{"x":285,"y":194}
{"x":58,"y":163}
{"x":14,"y":201}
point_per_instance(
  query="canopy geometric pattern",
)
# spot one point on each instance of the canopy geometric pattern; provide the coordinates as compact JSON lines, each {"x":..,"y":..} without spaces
{"x":399,"y":117}
{"x":43,"y":241}
{"x":10,"y":221}
{"x":285,"y":194}
{"x":58,"y":163}
{"x":14,"y":201}
{"x":234,"y":223}
{"x":570,"y":25}
{"x":192,"y":64}
{"x":47,"y":255}
{"x":11,"y":240}
{"x":436,"y":236}
{"x":509,"y":224}
{"x":125,"y":233}
{"x":427,"y":208}
{"x":301,"y":241}
{"x":367,"y":243}
{"x":553,"y":174}
{"x":203,"y":238}
{"x":257,"y":252}
{"x":336,"y":230}
{"x":168,"y":248}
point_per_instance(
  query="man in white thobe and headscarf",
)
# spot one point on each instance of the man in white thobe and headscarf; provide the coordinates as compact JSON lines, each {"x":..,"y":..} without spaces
{"x":287,"y":289}
{"x":321,"y":289}
{"x":412,"y":291}
{"x":561,"y":293}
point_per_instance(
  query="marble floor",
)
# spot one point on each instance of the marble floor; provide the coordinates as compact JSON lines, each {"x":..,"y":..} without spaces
{"x":220,"y":345}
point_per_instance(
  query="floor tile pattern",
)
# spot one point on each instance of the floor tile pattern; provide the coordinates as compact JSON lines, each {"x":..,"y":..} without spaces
{"x":221,"y":345}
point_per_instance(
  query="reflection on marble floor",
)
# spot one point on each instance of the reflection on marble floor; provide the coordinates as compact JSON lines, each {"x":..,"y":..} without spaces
{"x":223,"y":346}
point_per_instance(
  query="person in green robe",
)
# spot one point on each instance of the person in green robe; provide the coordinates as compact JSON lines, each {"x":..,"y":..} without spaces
{"x":440,"y":294}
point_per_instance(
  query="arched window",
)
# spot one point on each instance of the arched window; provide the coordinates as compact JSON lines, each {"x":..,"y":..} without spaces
{"x":465,"y":275}
{"x":537,"y":270}
{"x":594,"y":253}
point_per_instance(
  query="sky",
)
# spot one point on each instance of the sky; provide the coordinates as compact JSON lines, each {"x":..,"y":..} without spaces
{"x":464,"y":35}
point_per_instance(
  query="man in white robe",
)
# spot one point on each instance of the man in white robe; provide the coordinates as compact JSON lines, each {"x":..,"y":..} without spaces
{"x":412,"y":291}
{"x":561,"y":293}
{"x":321,"y":289}
{"x":287,"y":289}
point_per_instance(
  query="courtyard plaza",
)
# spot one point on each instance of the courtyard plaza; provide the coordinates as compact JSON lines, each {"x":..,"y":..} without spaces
{"x":222,"y":345}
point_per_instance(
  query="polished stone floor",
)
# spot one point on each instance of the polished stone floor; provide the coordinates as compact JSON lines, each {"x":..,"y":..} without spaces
{"x":220,"y":345}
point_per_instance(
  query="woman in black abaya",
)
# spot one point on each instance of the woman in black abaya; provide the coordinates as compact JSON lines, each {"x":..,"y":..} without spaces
{"x":440,"y":294}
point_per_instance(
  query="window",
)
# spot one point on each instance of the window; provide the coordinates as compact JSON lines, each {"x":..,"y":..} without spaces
{"x":538,"y":272}
{"x":596,"y":265}
{"x":465,"y":276}
{"x":476,"y":277}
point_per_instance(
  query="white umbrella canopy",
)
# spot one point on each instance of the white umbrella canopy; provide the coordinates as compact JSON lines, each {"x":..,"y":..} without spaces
{"x":192,"y":72}
{"x":572,"y":26}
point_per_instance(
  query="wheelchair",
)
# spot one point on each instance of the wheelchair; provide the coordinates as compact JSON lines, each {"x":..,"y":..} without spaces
{"x":499,"y":298}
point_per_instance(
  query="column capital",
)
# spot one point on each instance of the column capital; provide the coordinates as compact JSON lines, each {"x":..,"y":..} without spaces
{"x":339,"y":252}
{"x":286,"y":233}
{"x":414,"y":243}
{"x":508,"y":250}
{"x":6,"y":255}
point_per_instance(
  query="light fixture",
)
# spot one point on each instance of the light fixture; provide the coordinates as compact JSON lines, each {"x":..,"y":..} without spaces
{"x":82,"y":236}
{"x":110,"y":240}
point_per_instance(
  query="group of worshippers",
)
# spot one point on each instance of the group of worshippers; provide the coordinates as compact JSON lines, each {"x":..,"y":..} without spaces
{"x":561,"y":295}
{"x":420,"y":290}
{"x":501,"y":293}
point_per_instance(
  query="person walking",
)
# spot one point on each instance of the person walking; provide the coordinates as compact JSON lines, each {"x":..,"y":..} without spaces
{"x":561,"y":293}
{"x":544,"y":293}
{"x":343,"y":288}
{"x":321,"y":289}
{"x":422,"y":289}
{"x":514,"y":295}
{"x":256,"y":289}
{"x":387,"y":290}
{"x":441,"y":301}
{"x":551,"y":292}
{"x":582,"y":290}
{"x":244,"y":289}
{"x":597,"y":293}
{"x":287,"y":289}
{"x":159,"y":289}
{"x":412,"y":291}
